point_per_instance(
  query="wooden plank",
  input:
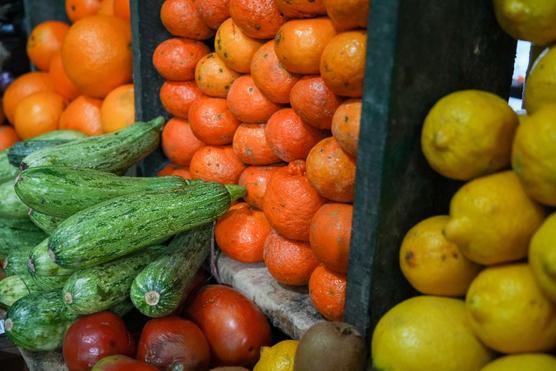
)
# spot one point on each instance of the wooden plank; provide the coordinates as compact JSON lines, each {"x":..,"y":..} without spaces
{"x":418,"y":51}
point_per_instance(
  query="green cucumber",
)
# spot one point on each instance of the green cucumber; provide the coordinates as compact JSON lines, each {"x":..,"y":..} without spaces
{"x":41,"y":263}
{"x":45,"y":222}
{"x":12,"y":289}
{"x":157,"y":291}
{"x":11,"y":206}
{"x":7,"y":171}
{"x":62,"y":192}
{"x":14,"y":238}
{"x":125,"y":224}
{"x":19,"y":224}
{"x":60,"y":135}
{"x":16,"y":262}
{"x":114,"y":152}
{"x":99,"y":288}
{"x":38,"y":322}
{"x":45,"y":283}
{"x":20,"y":150}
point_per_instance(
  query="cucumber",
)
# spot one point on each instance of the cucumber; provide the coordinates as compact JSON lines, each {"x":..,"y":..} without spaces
{"x":14,"y":238}
{"x":157,"y":291}
{"x":19,"y":224}
{"x":99,"y":288}
{"x":38,"y":322}
{"x":114,"y":152}
{"x":11,"y":206}
{"x":12,"y":289}
{"x":38,"y":283}
{"x":62,"y":192}
{"x":16,"y":262}
{"x":45,"y":222}
{"x":61,"y":135}
{"x":7,"y":171}
{"x":20,"y":150}
{"x":122,"y":225}
{"x":41,"y":263}
{"x":123,"y":308}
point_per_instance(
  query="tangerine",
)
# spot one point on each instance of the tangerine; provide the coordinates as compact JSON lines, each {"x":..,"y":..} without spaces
{"x":62,"y":83}
{"x":22,"y":87}
{"x":83,"y":114}
{"x":248,"y":103}
{"x":38,"y":114}
{"x":44,"y":41}
{"x":251,"y":147}
{"x":259,"y":19}
{"x":216,"y":164}
{"x":255,"y":180}
{"x":234,"y":47}
{"x":77,"y":9}
{"x":8,"y":137}
{"x":345,"y":125}
{"x":118,"y":109}
{"x":178,"y":141}
{"x":177,"y":97}
{"x":175,"y":59}
{"x":328,"y":293}
{"x":181,"y":18}
{"x":212,"y":121}
{"x":213,"y":77}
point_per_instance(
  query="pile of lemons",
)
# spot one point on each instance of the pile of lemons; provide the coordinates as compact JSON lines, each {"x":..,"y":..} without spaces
{"x":488,"y":269}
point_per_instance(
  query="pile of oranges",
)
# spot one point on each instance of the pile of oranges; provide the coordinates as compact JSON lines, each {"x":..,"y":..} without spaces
{"x":275,"y":106}
{"x":83,"y":77}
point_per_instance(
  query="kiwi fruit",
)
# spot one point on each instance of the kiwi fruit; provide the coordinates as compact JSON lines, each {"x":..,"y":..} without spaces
{"x":331,"y":346}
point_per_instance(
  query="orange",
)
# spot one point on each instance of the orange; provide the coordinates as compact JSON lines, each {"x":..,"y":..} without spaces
{"x":301,"y":8}
{"x":118,"y":109}
{"x":251,"y":147}
{"x":97,"y":54}
{"x":248,"y":103}
{"x":212,"y":121}
{"x":83,"y":114}
{"x":213,"y":77}
{"x":213,"y":12}
{"x":270,"y":76}
{"x":314,"y":102}
{"x":342,"y":64}
{"x":241,"y":233}
{"x":331,"y":171}
{"x":183,"y":173}
{"x":300,"y":43}
{"x":289,"y":137}
{"x":289,"y":262}
{"x":62,"y":84}
{"x":175,"y":59}
{"x":77,"y":9}
{"x":234,"y":47}
{"x":122,"y":9}
{"x":330,"y":235}
{"x":45,"y":41}
{"x":181,"y":18}
{"x":23,"y":86}
{"x":177,"y":97}
{"x":8,"y":137}
{"x":216,"y":164}
{"x":168,"y":169}
{"x":38,"y":114}
{"x":255,"y":180}
{"x":106,"y":7}
{"x":178,"y":141}
{"x":328,"y":293}
{"x":259,"y":19}
{"x":345,"y":125}
{"x":348,"y":14}
{"x":291,"y":201}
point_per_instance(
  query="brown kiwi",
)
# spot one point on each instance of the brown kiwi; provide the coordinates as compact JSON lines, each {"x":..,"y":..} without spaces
{"x":331,"y":346}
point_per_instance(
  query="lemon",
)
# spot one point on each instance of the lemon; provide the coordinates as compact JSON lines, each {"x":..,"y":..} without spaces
{"x":280,"y":357}
{"x":427,"y":333}
{"x":533,"y":155}
{"x":508,"y":311}
{"x":468,"y":134}
{"x":523,"y":362}
{"x":432,"y":264}
{"x":542,"y":257}
{"x":540,"y":86}
{"x":531,"y":20}
{"x":492,"y":220}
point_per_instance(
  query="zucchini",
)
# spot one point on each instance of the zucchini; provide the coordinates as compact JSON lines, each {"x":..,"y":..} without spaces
{"x":125,"y":224}
{"x":20,"y":150}
{"x":14,"y":238}
{"x":19,"y":224}
{"x":123,"y":308}
{"x":7,"y":171}
{"x":38,"y":283}
{"x":99,"y":288}
{"x":61,"y":135}
{"x":45,"y":222}
{"x":12,"y":289}
{"x":41,"y":263}
{"x":38,"y":321}
{"x":62,"y":192}
{"x":16,"y":262}
{"x":11,"y":206}
{"x":114,"y":152}
{"x":157,"y":291}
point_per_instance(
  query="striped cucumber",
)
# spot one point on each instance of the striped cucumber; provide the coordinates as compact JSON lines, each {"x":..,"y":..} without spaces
{"x":157,"y":291}
{"x":114,"y":152}
{"x":38,"y":322}
{"x":12,"y":289}
{"x":41,"y":263}
{"x":99,"y":288}
{"x":62,"y":192}
{"x":16,"y":262}
{"x":19,"y":224}
{"x":7,"y":171}
{"x":13,"y":238}
{"x":20,"y":150}
{"x":122,"y":225}
{"x":46,"y":283}
{"x":11,"y":206}
{"x":45,"y":222}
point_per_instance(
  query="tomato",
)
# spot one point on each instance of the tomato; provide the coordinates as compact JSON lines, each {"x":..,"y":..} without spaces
{"x":122,"y":363}
{"x":93,"y":337}
{"x":173,"y":341}
{"x":235,"y":328}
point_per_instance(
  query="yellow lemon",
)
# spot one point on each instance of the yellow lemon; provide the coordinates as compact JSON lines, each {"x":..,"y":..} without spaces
{"x":432,"y":264}
{"x":542,"y":257}
{"x":531,"y":20}
{"x":540,"y":86}
{"x":468,"y":134}
{"x":280,"y":357}
{"x":508,"y":311}
{"x":492,"y":220}
{"x":427,"y":333}
{"x":523,"y":362}
{"x":533,"y":155}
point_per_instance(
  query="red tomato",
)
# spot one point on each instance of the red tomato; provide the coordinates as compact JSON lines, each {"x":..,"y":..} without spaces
{"x":235,"y":328}
{"x":94,"y":337}
{"x":173,"y":341}
{"x":122,"y":363}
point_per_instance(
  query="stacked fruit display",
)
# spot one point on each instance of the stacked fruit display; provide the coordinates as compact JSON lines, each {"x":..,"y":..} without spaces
{"x":276,"y":108}
{"x":497,"y":245}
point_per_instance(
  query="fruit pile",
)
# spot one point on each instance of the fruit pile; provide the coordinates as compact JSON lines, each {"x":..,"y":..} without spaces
{"x":497,"y":246}
{"x":275,"y":107}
